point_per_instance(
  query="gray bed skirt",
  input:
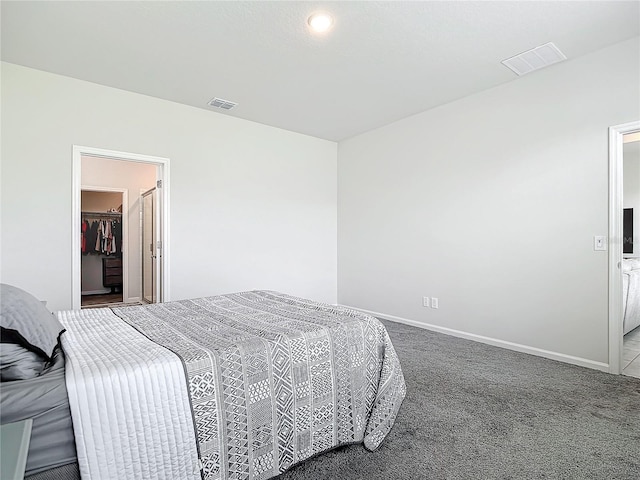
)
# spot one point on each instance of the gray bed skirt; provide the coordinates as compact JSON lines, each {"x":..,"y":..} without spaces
{"x":43,"y":399}
{"x":65,"y":472}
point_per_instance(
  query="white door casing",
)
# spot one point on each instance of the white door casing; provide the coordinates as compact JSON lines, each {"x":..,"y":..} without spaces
{"x":616,"y":197}
{"x":163,"y":200}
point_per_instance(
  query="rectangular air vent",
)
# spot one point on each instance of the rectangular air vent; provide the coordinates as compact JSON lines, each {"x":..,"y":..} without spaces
{"x":534,"y":59}
{"x":220,"y":103}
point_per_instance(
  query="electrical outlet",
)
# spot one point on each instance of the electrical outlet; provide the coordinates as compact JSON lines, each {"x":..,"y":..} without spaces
{"x":425,"y":301}
{"x":434,"y":302}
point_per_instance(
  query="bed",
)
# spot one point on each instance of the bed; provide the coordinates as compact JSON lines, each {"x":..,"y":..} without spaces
{"x":631,"y":293}
{"x":43,"y":399}
{"x":244,"y":385}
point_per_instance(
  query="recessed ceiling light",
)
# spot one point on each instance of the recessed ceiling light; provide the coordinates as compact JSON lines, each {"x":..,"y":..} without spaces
{"x":320,"y":22}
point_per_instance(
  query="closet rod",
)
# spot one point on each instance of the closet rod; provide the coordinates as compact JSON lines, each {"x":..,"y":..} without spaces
{"x":102,"y":214}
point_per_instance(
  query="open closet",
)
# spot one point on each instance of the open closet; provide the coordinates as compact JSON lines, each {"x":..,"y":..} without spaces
{"x":102,"y":246}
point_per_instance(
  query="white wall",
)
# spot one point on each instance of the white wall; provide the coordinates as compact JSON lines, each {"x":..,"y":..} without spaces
{"x":631,"y":189}
{"x":490,"y":203}
{"x":252,"y":206}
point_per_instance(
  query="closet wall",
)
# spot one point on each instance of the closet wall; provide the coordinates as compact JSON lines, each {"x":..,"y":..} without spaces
{"x":133,"y":177}
{"x":100,"y":201}
{"x":91,"y":260}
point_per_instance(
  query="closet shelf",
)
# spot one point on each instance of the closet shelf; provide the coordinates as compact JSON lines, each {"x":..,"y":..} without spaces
{"x":102,"y":214}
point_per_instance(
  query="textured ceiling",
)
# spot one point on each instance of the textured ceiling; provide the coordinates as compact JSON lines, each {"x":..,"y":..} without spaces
{"x":381,"y":62}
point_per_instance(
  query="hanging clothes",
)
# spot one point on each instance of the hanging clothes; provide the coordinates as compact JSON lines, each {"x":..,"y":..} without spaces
{"x":117,"y":234}
{"x":101,"y":236}
{"x":92,"y":236}
{"x":83,"y":236}
{"x":113,"y":238}
{"x":106,"y":237}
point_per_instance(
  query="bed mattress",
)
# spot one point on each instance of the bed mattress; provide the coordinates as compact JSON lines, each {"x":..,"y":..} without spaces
{"x":43,"y":399}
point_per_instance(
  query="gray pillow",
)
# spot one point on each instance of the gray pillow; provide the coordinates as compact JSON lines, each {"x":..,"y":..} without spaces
{"x":18,"y":363}
{"x":26,"y":321}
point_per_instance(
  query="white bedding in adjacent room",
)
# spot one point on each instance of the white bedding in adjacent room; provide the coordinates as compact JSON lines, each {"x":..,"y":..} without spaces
{"x":631,"y":293}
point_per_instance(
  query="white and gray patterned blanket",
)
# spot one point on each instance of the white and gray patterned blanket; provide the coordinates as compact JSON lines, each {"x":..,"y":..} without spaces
{"x":275,"y":379}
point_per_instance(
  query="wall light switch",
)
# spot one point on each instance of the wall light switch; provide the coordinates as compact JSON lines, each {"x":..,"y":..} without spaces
{"x":425,"y":301}
{"x":599,"y":242}
{"x":434,"y":302}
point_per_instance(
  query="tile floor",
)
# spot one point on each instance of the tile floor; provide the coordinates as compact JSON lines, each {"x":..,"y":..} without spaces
{"x":631,"y":353}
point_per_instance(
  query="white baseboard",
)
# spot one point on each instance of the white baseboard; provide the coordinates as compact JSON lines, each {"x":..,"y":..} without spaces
{"x":96,"y":292}
{"x":561,"y":357}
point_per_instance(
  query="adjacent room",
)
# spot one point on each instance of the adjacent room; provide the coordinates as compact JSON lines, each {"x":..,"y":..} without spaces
{"x":307,"y":240}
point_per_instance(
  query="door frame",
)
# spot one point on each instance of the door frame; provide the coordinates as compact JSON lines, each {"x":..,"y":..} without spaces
{"x":616,"y":202}
{"x":76,"y":215}
{"x":125,"y":232}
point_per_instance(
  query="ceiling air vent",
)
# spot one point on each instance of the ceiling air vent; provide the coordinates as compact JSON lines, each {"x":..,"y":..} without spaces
{"x":534,"y":59}
{"x":220,"y":103}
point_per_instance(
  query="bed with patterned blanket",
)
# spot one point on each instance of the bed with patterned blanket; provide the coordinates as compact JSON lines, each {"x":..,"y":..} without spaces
{"x":239,"y":386}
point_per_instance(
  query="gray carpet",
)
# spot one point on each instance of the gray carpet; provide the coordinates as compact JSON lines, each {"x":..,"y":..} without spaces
{"x":474,"y":411}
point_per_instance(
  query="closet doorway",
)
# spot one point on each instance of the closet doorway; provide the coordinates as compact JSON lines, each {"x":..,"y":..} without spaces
{"x":103,"y":247}
{"x":129,"y":175}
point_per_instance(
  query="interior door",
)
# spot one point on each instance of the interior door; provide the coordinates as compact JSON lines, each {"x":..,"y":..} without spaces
{"x":151,"y":248}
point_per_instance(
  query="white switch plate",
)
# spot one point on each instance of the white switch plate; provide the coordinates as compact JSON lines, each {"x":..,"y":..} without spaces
{"x":425,"y":301}
{"x":434,"y":302}
{"x":599,"y":242}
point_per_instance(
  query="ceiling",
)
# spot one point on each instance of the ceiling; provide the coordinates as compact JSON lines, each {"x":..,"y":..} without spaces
{"x":381,"y":62}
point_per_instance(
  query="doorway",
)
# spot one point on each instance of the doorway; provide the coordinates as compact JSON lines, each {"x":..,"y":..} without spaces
{"x":122,"y":170}
{"x":619,"y":290}
{"x":103,"y":230}
{"x":631,"y":255}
